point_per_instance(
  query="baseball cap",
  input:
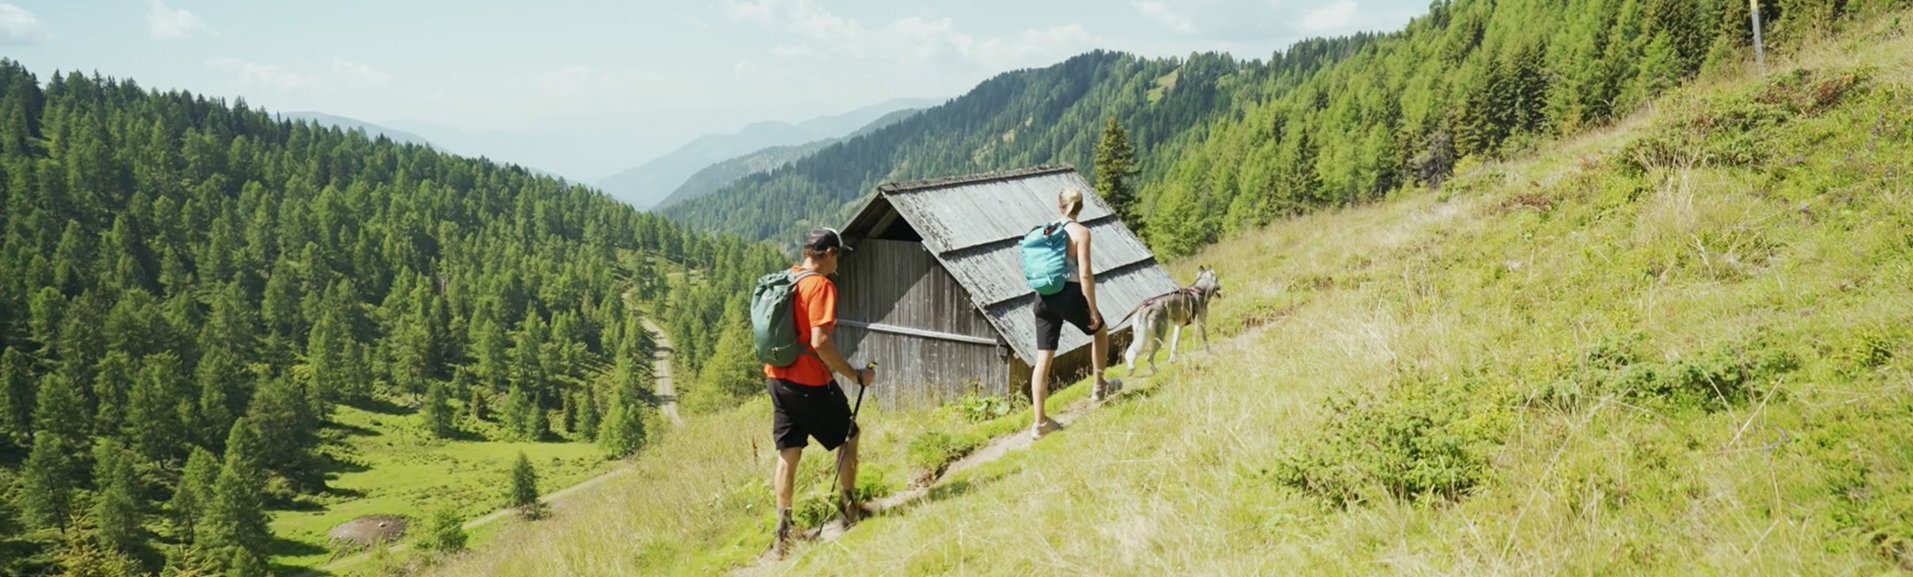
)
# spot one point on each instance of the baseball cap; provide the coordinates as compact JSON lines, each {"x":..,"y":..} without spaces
{"x":824,"y":239}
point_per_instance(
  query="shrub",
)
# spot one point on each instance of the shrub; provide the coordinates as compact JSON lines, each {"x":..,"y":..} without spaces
{"x":1422,"y":440}
{"x":1715,"y":380}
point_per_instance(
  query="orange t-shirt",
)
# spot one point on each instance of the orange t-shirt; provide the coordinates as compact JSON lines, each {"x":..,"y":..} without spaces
{"x":816,"y":304}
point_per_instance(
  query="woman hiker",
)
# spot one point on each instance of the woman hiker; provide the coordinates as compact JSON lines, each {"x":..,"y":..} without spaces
{"x":1075,"y":304}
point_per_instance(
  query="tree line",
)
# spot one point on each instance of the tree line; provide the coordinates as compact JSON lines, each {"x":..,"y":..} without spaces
{"x":1224,"y":145}
{"x":1014,"y":120}
{"x":1472,"y":79}
{"x":190,"y":287}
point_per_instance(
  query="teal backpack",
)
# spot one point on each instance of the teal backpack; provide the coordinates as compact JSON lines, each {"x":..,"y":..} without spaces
{"x":1046,"y":257}
{"x":773,"y":322}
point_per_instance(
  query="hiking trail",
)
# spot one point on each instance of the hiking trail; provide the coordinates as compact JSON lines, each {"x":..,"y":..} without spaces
{"x":667,"y":404}
{"x":990,"y":452}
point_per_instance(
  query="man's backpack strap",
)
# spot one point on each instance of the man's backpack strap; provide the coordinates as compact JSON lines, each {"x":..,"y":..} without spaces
{"x":795,"y":279}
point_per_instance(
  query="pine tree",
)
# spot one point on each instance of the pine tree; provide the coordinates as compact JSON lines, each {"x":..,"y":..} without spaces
{"x":153,"y":424}
{"x":54,"y":469}
{"x":524,"y":489}
{"x":83,"y":556}
{"x":233,"y":527}
{"x":589,"y":415}
{"x":732,"y":373}
{"x":117,"y":506}
{"x":112,"y":382}
{"x":622,"y":431}
{"x":218,"y":374}
{"x":16,"y":396}
{"x":438,"y":410}
{"x":195,"y":493}
{"x":1116,"y":170}
{"x":284,"y":447}
{"x":477,"y":404}
{"x":524,"y":419}
{"x":444,"y":532}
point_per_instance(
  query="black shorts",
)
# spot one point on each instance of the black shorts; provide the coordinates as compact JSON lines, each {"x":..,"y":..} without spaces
{"x":1053,"y":310}
{"x":803,"y":412}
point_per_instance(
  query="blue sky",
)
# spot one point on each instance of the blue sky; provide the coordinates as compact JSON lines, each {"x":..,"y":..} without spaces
{"x":671,"y":69}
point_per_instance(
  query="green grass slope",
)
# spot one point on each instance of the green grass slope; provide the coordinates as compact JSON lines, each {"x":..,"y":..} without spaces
{"x":1676,"y":346}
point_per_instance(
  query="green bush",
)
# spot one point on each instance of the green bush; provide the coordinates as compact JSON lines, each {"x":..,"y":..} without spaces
{"x":1738,"y":129}
{"x":1711,"y":381}
{"x":1423,"y":440}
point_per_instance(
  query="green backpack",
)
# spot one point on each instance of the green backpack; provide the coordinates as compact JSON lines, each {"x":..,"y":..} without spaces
{"x":773,"y":328}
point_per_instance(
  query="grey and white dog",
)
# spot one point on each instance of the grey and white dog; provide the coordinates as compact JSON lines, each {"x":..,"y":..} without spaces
{"x":1167,"y":314}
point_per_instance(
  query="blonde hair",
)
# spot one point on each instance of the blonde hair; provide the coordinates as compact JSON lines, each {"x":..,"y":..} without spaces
{"x":1070,"y":201}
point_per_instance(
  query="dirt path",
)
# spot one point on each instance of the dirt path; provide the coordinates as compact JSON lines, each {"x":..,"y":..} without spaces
{"x":991,"y":452}
{"x":667,"y":402}
{"x":661,"y":367}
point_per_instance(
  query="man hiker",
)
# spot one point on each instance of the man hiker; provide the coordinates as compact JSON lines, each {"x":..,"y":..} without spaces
{"x":1056,"y":262}
{"x":806,"y":401}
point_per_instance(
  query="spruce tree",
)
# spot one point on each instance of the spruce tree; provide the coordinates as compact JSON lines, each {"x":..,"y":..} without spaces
{"x":195,"y":493}
{"x":82,"y":555}
{"x":589,"y":415}
{"x":444,"y":532}
{"x":16,"y":397}
{"x":438,"y":410}
{"x":523,"y":418}
{"x":284,"y":446}
{"x":54,"y":468}
{"x":218,"y":374}
{"x":117,"y":505}
{"x":622,"y":431}
{"x":233,"y":528}
{"x":1116,"y":170}
{"x":112,"y":382}
{"x":153,"y":425}
{"x":523,"y":494}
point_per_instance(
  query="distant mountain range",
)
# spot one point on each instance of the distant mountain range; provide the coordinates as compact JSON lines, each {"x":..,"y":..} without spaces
{"x":353,"y":124}
{"x":718,"y":175}
{"x":650,"y":184}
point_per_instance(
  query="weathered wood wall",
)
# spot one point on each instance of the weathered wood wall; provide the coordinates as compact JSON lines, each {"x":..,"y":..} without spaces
{"x":900,"y":284}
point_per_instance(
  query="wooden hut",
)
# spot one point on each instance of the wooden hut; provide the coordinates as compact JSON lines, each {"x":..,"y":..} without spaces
{"x":935,"y":293}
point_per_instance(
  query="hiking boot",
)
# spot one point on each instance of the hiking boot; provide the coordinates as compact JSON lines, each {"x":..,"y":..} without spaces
{"x":852,"y":510}
{"x":780,"y":545}
{"x":1104,"y":389}
{"x":1044,"y":428}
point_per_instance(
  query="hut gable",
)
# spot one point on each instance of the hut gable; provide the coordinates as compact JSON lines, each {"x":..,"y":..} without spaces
{"x":971,"y":226}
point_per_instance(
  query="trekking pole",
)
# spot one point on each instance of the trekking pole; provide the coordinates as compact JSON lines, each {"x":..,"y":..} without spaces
{"x":838,"y":474}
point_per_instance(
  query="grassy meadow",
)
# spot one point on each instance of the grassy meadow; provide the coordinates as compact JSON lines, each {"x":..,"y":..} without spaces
{"x":1678,"y":345}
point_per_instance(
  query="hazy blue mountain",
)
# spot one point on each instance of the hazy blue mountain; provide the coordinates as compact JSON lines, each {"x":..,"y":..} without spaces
{"x":370,"y":129}
{"x":718,"y":175}
{"x":645,"y":185}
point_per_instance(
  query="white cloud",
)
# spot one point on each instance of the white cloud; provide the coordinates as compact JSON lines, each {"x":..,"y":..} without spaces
{"x":586,"y":87}
{"x":1033,"y":47}
{"x":356,"y":76}
{"x":759,"y":10}
{"x":744,"y":67}
{"x":340,"y":75}
{"x":818,"y":32}
{"x":168,"y":23}
{"x":18,"y":26}
{"x":1167,"y":16}
{"x":1329,"y":18}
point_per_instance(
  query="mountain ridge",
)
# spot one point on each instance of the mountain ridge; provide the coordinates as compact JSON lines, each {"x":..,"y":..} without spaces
{"x":646,"y":185}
